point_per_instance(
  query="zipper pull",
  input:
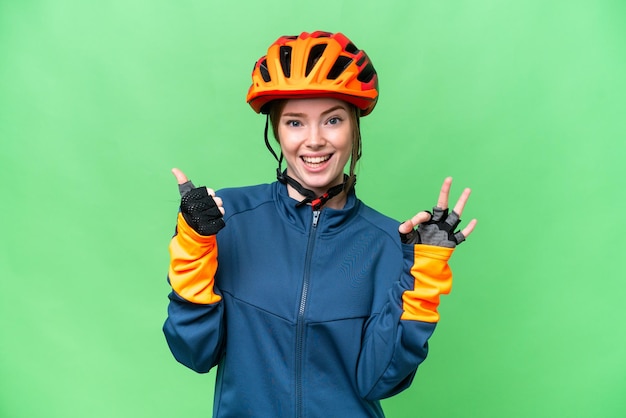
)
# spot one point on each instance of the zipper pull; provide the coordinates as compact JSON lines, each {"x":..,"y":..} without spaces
{"x":316,"y":217}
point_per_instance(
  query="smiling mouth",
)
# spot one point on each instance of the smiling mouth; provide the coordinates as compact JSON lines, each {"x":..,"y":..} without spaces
{"x":316,"y":161}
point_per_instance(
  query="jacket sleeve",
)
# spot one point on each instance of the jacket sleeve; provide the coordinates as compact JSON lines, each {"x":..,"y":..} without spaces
{"x":396,"y":339}
{"x":194,"y":327}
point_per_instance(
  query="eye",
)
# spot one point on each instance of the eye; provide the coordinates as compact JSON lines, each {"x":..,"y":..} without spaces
{"x":334,"y":120}
{"x":293,"y":123}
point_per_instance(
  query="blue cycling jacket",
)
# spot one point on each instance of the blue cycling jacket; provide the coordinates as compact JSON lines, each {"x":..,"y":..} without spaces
{"x":306,"y":314}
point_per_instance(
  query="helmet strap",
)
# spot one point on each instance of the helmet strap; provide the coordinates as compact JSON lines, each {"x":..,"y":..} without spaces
{"x":267,"y":143}
{"x":309,"y":195}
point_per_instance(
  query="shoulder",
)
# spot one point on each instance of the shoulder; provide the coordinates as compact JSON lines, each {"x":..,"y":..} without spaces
{"x":242,"y":199}
{"x":258,"y":191}
{"x":377,"y":220}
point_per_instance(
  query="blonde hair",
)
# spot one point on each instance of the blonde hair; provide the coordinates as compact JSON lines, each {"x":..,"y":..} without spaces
{"x":276,"y":111}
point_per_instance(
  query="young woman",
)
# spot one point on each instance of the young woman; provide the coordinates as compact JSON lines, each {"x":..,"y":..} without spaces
{"x":316,"y":305}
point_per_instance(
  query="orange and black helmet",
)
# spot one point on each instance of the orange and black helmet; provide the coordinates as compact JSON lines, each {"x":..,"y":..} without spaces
{"x":318,"y":64}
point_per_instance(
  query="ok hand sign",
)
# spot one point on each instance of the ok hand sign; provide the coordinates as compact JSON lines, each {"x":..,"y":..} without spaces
{"x":438,"y":228}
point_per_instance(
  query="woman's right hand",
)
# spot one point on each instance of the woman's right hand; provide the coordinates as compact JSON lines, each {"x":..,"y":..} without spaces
{"x":185,"y":185}
{"x":202,"y":210}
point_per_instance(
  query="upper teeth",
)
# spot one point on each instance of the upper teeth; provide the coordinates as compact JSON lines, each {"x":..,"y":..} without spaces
{"x":315,"y":160}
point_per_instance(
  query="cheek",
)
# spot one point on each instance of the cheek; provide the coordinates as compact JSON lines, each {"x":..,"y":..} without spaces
{"x":290,"y":150}
{"x":285,"y":141}
{"x":344,"y":142}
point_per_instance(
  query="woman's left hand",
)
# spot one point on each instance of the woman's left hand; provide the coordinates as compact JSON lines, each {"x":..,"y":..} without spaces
{"x":438,"y":228}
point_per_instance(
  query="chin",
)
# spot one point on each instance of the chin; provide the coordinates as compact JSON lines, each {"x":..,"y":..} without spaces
{"x":323,"y":185}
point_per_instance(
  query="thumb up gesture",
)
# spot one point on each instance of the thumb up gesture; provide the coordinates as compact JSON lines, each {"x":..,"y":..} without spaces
{"x":202,"y":210}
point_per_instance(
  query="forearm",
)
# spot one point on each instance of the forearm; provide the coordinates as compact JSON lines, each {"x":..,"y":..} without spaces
{"x":194,"y":327}
{"x":430,"y":277}
{"x":194,"y":332}
{"x":396,"y":339}
{"x":391,"y":352}
{"x":193,"y":263}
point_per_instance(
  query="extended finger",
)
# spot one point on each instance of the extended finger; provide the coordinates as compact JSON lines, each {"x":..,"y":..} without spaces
{"x":469,"y":228}
{"x":442,"y":202}
{"x":460,"y":204}
{"x":181,"y":178}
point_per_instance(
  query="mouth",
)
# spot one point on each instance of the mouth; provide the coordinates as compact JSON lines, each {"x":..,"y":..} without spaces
{"x":315,"y":162}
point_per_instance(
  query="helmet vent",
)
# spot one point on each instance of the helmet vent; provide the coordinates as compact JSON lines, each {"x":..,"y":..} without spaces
{"x":351,"y":48}
{"x":264,"y":72}
{"x":285,"y":60}
{"x":367,"y":73}
{"x":339,"y":67}
{"x":314,"y":56}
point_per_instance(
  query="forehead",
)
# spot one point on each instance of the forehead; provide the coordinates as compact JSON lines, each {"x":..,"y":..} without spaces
{"x":314,"y":106}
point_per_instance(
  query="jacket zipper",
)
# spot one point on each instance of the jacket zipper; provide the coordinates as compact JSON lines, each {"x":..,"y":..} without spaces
{"x":301,"y":310}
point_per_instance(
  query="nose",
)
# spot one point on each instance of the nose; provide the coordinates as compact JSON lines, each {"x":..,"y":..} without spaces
{"x":315,"y":137}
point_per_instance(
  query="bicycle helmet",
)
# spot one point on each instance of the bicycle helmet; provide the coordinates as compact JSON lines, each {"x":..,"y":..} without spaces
{"x":318,"y":64}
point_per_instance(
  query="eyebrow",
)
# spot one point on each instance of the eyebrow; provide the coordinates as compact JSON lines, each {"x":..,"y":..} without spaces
{"x":300,"y":115}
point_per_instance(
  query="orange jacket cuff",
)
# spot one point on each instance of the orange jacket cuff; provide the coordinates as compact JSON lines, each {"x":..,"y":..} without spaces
{"x":432,"y":277}
{"x":193,"y":263}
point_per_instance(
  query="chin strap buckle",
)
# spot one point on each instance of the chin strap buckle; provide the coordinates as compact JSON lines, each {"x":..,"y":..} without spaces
{"x":316,"y":204}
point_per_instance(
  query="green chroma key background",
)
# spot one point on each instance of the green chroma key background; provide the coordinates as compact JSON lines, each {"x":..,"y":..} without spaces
{"x":523,"y":101}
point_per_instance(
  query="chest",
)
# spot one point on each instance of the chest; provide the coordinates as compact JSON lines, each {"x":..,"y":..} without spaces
{"x":318,"y":275}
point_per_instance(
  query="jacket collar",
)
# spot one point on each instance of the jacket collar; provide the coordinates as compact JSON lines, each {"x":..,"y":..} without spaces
{"x":331,"y":220}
